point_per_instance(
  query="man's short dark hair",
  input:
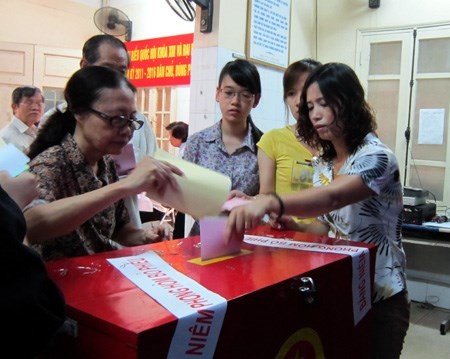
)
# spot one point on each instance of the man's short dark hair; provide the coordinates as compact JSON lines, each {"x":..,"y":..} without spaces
{"x":24,"y":91}
{"x":179,"y":130}
{"x":91,"y":46}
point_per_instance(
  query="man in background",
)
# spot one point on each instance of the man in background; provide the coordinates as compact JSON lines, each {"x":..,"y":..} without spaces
{"x":27,"y":106}
{"x":109,"y":51}
{"x":178,"y":134}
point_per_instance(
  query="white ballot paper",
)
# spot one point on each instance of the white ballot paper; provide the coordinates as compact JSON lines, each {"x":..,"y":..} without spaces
{"x":12,"y":160}
{"x":203,"y":191}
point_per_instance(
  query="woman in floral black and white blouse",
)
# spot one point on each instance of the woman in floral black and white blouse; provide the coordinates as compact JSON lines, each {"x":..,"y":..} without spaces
{"x":80,"y":208}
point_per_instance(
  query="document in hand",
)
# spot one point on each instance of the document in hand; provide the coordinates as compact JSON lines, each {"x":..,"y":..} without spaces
{"x":12,"y":160}
{"x":202,"y":191}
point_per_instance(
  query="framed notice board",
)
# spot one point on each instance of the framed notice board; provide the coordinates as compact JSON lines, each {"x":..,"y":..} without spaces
{"x":268,"y":28}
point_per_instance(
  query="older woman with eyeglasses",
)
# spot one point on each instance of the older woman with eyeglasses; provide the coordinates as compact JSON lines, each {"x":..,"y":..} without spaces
{"x":80,"y":208}
{"x":229,"y":146}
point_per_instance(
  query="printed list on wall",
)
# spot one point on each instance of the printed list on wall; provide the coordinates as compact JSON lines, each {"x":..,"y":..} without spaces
{"x":268,"y":32}
{"x":164,"y":61}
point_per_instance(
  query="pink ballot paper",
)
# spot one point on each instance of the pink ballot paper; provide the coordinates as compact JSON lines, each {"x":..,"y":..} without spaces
{"x":212,"y":238}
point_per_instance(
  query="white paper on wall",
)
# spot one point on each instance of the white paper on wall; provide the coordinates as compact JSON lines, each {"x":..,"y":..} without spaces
{"x":431,"y":126}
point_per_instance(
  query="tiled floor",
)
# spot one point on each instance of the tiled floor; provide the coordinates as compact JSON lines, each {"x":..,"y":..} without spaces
{"x":424,"y":339}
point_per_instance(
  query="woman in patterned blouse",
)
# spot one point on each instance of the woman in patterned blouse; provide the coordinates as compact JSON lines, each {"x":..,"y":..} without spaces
{"x":357,"y":193}
{"x":80,"y":208}
{"x":229,"y":146}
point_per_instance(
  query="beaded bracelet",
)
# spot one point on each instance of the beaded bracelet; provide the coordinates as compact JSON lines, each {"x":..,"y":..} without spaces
{"x":280,"y":203}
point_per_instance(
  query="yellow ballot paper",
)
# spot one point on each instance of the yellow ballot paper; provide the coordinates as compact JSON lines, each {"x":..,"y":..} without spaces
{"x":203,"y":191}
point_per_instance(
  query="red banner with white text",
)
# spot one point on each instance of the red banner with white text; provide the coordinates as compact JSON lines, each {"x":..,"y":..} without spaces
{"x":164,"y":61}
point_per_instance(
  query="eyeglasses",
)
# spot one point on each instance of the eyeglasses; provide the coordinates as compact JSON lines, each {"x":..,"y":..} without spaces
{"x":119,"y":121}
{"x":244,"y":96}
{"x":30,"y":103}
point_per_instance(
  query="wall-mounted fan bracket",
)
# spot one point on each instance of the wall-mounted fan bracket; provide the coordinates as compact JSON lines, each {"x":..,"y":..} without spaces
{"x":112,"y":21}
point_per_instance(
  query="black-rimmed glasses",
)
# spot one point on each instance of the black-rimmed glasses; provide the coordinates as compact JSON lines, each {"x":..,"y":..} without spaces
{"x":119,"y":121}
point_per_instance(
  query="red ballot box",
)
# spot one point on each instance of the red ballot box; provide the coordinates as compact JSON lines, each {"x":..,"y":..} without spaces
{"x":281,"y":303}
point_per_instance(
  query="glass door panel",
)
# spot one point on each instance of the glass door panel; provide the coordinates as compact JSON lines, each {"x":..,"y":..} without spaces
{"x":383,"y":97}
{"x":417,"y":78}
{"x":385,"y":58}
{"x":430,"y":94}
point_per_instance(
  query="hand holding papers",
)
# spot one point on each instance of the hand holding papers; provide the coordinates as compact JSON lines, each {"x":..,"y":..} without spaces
{"x":212,"y":233}
{"x":234,"y":202}
{"x":202,"y":191}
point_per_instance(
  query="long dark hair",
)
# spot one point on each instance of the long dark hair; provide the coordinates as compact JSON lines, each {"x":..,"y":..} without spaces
{"x":82,"y":90}
{"x":294,"y":71}
{"x":291,"y":76}
{"x":245,"y":74}
{"x":344,"y":94}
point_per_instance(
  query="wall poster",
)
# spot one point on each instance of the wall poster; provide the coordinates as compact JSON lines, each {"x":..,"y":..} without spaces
{"x":163,"y":61}
{"x":268,"y":32}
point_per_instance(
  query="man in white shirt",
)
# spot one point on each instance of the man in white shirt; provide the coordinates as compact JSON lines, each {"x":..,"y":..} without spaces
{"x":28,"y":107}
{"x":178,"y":134}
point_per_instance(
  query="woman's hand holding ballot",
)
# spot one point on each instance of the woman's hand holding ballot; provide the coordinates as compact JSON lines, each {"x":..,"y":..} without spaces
{"x":154,"y":174}
{"x":249,"y":215}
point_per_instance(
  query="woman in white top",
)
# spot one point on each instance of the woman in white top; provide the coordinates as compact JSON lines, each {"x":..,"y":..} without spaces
{"x":357,"y":193}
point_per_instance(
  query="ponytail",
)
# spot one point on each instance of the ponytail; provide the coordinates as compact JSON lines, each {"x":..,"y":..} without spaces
{"x":52,"y":132}
{"x":256,"y":132}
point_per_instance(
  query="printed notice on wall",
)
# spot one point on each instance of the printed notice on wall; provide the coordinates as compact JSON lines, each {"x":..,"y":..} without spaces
{"x":431,"y":126}
{"x":268,"y":32}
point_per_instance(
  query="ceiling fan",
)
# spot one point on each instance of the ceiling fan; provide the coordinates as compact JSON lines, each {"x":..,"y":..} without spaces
{"x":185,"y":10}
{"x":112,"y":21}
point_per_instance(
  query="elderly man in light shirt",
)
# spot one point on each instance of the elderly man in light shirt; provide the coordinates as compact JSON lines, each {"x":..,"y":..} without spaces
{"x":28,"y":108}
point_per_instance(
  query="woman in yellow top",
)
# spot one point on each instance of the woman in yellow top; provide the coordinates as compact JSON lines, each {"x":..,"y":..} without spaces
{"x":284,"y":160}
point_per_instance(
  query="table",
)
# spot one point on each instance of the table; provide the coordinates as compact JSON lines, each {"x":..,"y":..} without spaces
{"x":427,"y":257}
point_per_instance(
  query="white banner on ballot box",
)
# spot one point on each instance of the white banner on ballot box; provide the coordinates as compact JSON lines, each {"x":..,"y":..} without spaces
{"x":200,"y":312}
{"x":360,"y":266}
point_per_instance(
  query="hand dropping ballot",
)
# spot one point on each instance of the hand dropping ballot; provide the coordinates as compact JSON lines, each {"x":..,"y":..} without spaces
{"x":212,"y":238}
{"x":202,"y":191}
{"x":212,"y":233}
{"x":202,"y":195}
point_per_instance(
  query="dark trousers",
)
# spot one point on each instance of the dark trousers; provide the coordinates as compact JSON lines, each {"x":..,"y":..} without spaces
{"x":391,"y":322}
